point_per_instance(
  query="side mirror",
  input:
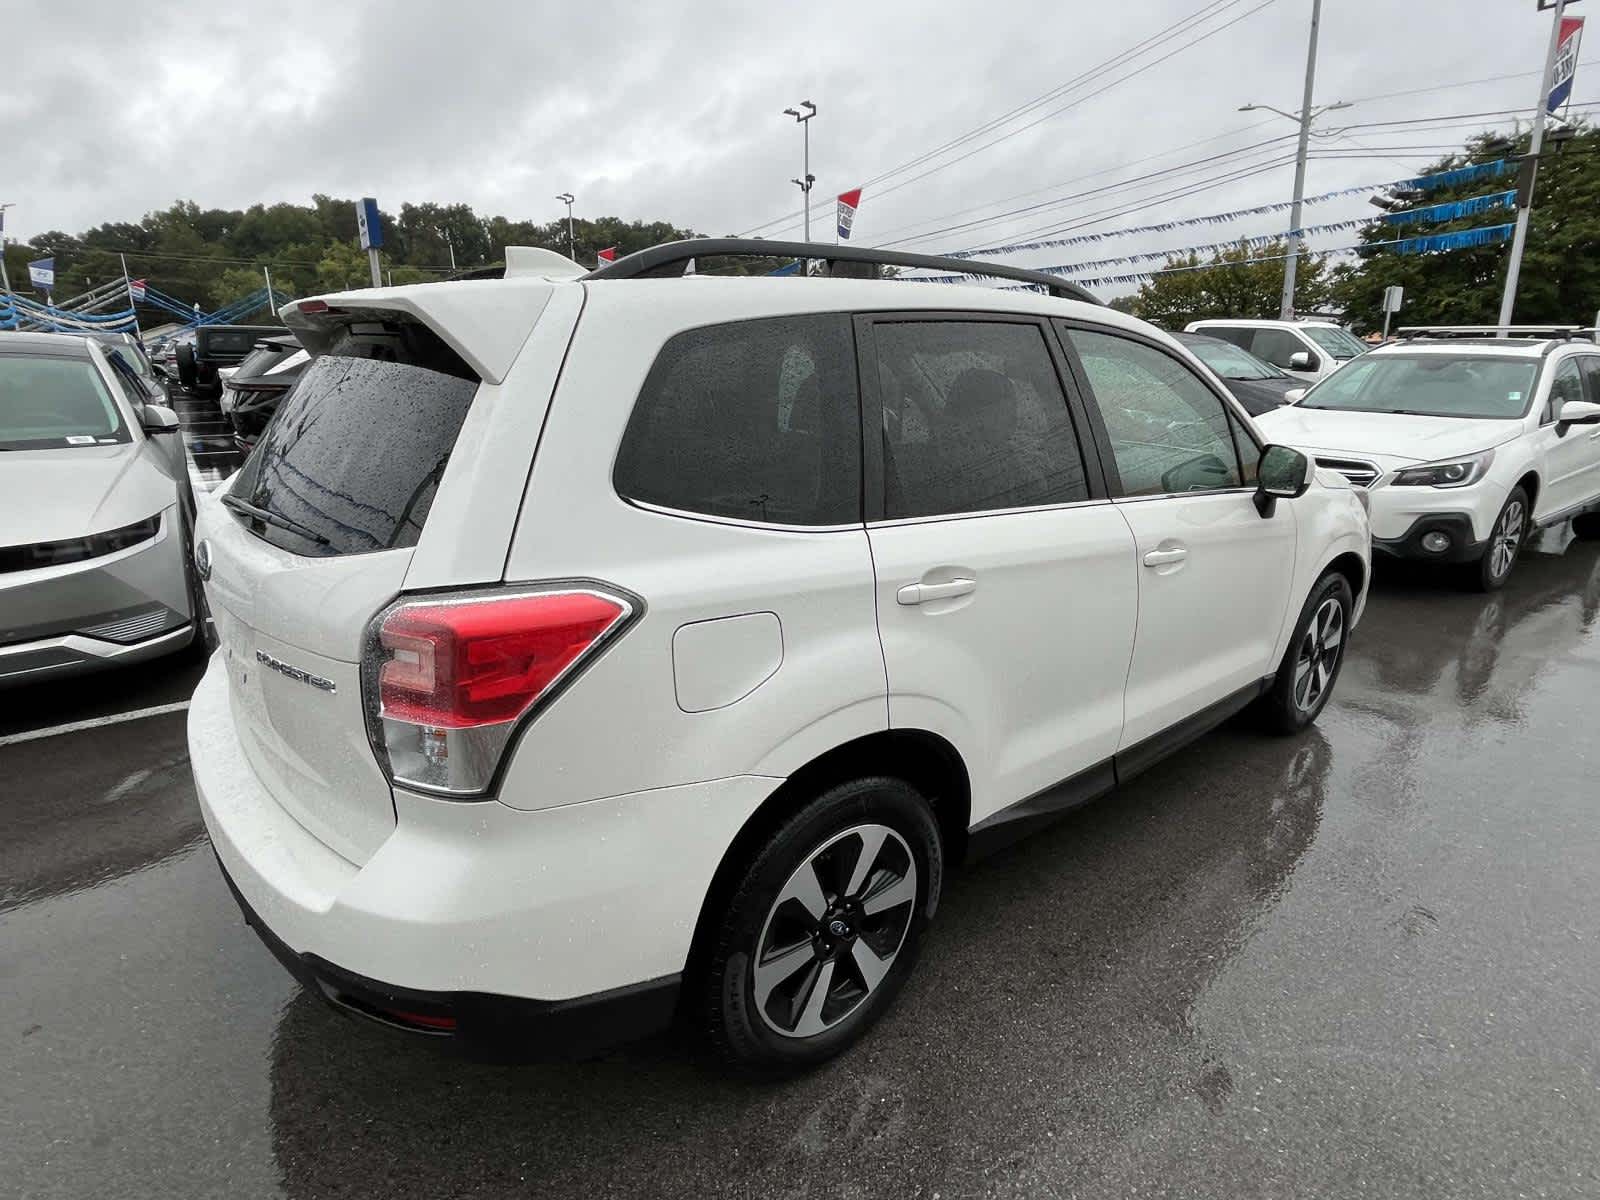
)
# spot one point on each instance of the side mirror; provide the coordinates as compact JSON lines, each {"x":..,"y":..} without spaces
{"x":1577,"y":412}
{"x":1302,"y":360}
{"x":1295,"y":395}
{"x":1282,"y":474}
{"x":158,"y":418}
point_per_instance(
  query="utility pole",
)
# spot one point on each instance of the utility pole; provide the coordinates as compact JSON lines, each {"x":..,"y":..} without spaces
{"x":567,"y":198}
{"x":807,"y":178}
{"x":1303,"y":118}
{"x":450,"y":246}
{"x":272,"y":305}
{"x":5,"y":279}
{"x":1519,"y":239}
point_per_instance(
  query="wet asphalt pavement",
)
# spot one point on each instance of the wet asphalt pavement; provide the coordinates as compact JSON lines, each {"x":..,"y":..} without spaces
{"x":1365,"y":962}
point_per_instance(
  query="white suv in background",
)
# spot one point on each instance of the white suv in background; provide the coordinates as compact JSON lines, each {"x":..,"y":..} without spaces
{"x":595,"y":650}
{"x":1308,"y":350}
{"x":1467,"y":442}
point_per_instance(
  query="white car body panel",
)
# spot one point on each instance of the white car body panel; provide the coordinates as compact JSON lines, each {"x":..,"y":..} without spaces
{"x":1004,"y":672}
{"x":1209,"y":623}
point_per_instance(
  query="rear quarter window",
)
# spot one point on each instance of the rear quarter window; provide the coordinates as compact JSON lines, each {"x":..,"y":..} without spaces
{"x":754,"y":420}
{"x":354,"y":455}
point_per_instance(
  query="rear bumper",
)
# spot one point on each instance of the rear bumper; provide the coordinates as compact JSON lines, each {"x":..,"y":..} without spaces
{"x":549,"y":923}
{"x":1457,"y":527}
{"x":478,"y":1024}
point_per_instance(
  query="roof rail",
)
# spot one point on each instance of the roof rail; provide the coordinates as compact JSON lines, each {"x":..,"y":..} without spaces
{"x":670,"y":258}
{"x":1532,"y":332}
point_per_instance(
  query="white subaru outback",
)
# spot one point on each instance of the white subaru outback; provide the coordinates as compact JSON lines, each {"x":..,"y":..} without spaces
{"x":596,"y":651}
{"x":1466,"y":442}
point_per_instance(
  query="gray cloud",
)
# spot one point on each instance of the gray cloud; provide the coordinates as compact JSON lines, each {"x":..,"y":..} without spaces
{"x":674,"y":111}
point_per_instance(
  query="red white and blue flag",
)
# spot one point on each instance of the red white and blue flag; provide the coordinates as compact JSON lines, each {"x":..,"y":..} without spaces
{"x":848,"y":203}
{"x":608,"y":255}
{"x":136,"y":291}
{"x":1566,"y":64}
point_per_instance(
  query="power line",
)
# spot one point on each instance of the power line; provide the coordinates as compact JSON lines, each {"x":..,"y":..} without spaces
{"x":1166,"y":35}
{"x":1123,"y":183}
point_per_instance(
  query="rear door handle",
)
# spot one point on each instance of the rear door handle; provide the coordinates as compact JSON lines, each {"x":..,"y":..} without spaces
{"x":921,"y":593}
{"x":1160,"y":558}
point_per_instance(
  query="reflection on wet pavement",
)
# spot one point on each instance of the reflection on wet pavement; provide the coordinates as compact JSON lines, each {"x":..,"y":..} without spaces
{"x":1357,"y":962}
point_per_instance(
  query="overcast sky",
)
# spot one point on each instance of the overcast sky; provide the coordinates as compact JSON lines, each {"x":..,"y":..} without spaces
{"x":674,"y":111}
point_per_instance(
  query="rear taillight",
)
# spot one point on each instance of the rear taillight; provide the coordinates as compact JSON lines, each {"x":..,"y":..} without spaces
{"x":448,"y":679}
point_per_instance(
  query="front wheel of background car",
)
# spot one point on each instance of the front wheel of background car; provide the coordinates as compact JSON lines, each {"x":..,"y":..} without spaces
{"x":823,"y":927}
{"x":1505,"y":543}
{"x":1311,"y":664}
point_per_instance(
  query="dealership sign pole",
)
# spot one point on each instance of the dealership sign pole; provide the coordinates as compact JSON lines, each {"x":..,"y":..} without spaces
{"x":1555,"y":86}
{"x":370,"y":226}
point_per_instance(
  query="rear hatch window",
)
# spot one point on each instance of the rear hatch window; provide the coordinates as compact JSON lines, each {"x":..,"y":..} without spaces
{"x":351,"y":461}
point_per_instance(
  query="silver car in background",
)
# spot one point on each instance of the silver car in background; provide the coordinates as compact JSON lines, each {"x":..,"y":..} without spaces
{"x":96,"y":516}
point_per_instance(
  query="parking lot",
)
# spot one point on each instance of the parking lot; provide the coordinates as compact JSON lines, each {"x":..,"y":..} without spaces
{"x":1360,"y":962}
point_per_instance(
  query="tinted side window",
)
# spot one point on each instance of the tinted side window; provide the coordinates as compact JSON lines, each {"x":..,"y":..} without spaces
{"x":1590,"y":364}
{"x":1277,"y":346}
{"x":354,"y":455}
{"x":1565,"y":386}
{"x":974,"y":419}
{"x":757,"y":420}
{"x":1230,"y":333}
{"x":1169,"y":432}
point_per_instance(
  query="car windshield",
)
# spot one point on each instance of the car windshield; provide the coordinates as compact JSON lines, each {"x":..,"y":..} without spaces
{"x":1430,"y":385}
{"x":1340,"y":343}
{"x":47,"y":403}
{"x":1230,"y":361}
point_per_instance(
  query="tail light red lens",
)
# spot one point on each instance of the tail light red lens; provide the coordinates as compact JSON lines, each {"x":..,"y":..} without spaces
{"x":454,"y":675}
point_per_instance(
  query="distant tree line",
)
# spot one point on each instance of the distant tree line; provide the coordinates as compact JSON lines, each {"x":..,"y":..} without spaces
{"x":215,"y":256}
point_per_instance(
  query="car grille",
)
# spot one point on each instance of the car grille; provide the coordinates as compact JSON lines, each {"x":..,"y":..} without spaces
{"x":1362,"y":474}
{"x":145,"y":623}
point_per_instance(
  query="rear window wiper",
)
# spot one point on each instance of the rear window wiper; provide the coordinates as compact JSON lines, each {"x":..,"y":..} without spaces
{"x":272,"y":518}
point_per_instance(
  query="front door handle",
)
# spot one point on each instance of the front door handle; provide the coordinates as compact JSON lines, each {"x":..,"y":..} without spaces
{"x":921,"y":593}
{"x":1160,"y":558}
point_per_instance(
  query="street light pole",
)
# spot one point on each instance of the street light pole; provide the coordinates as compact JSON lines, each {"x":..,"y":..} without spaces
{"x":807,"y":178}
{"x":5,"y":279}
{"x":1304,"y":118}
{"x":567,"y":198}
{"x":1291,"y":263}
{"x":1519,"y":238}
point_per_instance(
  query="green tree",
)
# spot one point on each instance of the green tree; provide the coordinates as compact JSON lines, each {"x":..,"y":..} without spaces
{"x":1240,"y":281}
{"x":1560,"y":279}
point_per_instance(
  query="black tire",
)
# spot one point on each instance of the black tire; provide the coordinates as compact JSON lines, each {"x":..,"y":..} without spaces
{"x":188,"y":374}
{"x":1295,"y":700}
{"x":1587,"y":526}
{"x":1489,"y":573}
{"x":825,"y":838}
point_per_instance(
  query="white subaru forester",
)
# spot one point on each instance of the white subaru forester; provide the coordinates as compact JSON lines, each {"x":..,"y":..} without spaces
{"x":596,"y":651}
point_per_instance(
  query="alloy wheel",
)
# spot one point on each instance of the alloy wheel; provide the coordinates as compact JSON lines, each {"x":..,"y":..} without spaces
{"x":834,"y":931}
{"x":1506,"y":539}
{"x":1319,"y":655}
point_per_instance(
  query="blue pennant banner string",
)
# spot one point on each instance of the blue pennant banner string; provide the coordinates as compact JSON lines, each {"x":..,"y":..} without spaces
{"x":1450,"y":210}
{"x":1459,"y":240}
{"x":1422,"y":183}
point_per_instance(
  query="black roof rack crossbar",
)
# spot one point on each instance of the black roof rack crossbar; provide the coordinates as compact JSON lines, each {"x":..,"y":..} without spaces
{"x":670,"y":258}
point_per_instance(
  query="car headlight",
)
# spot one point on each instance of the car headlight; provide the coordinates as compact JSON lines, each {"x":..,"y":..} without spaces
{"x":1457,"y":472}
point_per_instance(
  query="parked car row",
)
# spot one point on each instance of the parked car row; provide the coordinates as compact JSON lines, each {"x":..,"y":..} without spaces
{"x":869,"y":578}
